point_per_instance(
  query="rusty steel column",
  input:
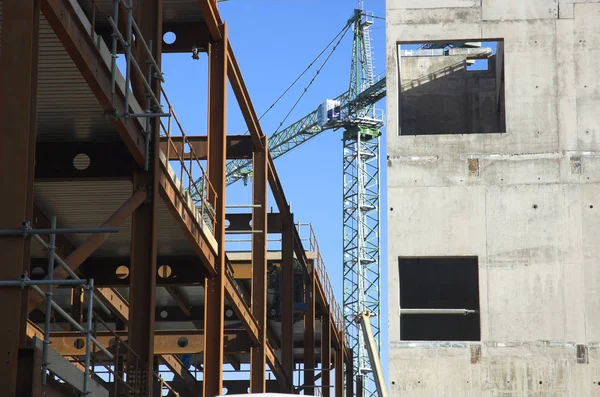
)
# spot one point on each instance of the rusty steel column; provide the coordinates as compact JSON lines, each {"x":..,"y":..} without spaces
{"x":142,"y":279}
{"x":18,"y":98}
{"x":309,"y":333}
{"x":214,"y":306}
{"x":287,"y":302}
{"x":339,"y":373}
{"x":30,"y":376}
{"x":350,"y":374}
{"x":258,"y":357}
{"x":326,"y":354}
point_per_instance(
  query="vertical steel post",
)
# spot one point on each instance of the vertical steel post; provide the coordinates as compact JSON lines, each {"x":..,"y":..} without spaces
{"x":258,"y":357}
{"x":30,"y":378}
{"x":88,"y":335}
{"x":128,"y":47}
{"x":50,"y":276}
{"x":309,"y":332}
{"x":339,"y":372}
{"x":142,"y":281}
{"x":359,"y":385}
{"x":350,"y":374}
{"x":214,"y":306}
{"x":114,"y":55}
{"x":326,"y":354}
{"x":287,"y":309}
{"x":18,"y":97}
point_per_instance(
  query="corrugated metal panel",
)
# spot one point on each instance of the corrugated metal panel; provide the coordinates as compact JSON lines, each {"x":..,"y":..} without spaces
{"x":173,"y":10}
{"x":90,"y":203}
{"x":67,"y":108}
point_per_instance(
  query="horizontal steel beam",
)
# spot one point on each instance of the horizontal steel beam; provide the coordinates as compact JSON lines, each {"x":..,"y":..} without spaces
{"x":239,"y":222}
{"x":165,"y":342}
{"x":238,"y":147}
{"x":184,"y":270}
{"x":82,"y":160}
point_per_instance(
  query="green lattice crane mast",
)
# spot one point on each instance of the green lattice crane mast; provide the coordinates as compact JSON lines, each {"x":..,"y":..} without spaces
{"x":354,"y":112}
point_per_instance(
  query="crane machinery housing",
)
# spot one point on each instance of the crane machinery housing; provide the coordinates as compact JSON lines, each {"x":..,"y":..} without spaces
{"x":353,"y":112}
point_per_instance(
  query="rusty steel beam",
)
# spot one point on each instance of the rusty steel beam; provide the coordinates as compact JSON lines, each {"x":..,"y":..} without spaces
{"x":241,"y":222}
{"x":185,"y":270}
{"x":234,"y":361}
{"x":326,"y":354}
{"x":142,"y":283}
{"x":166,"y":342}
{"x":176,"y":366}
{"x":339,"y":373}
{"x":188,"y":35}
{"x":144,"y":240}
{"x":287,"y":299}
{"x":213,"y":20}
{"x":83,"y":251}
{"x":309,"y":335}
{"x":241,"y":310}
{"x":214,"y":305}
{"x":54,"y":161}
{"x":76,"y":40}
{"x":349,"y":372}
{"x":40,"y":221}
{"x":180,"y":299}
{"x":29,"y":375}
{"x":181,"y":209}
{"x":18,"y":98}
{"x":259,"y":267}
{"x":237,"y":147}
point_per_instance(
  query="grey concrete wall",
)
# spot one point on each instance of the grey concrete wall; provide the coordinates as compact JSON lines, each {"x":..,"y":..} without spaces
{"x":525,"y":202}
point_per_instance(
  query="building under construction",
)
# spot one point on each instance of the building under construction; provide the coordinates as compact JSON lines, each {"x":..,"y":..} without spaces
{"x":493,"y":187}
{"x":115,"y":279}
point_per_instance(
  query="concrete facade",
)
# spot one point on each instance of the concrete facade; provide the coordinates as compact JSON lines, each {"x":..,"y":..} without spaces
{"x":525,"y":202}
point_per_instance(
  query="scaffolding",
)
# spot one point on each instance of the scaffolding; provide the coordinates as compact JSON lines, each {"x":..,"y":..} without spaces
{"x":88,"y":330}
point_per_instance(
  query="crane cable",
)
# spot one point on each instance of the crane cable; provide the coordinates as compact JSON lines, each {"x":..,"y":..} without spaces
{"x":344,"y":31}
{"x":341,"y":32}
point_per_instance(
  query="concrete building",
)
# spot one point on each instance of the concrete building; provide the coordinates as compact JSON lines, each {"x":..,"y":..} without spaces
{"x":493,"y":197}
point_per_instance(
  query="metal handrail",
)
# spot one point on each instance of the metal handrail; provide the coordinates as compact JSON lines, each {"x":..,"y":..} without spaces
{"x":323,"y":277}
{"x":206,"y":192}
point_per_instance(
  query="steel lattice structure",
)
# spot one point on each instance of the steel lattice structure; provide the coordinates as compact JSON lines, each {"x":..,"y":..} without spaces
{"x":361,"y":212}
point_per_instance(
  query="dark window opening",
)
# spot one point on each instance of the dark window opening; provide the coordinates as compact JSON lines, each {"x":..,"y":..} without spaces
{"x":439,"y":283}
{"x":451,"y":88}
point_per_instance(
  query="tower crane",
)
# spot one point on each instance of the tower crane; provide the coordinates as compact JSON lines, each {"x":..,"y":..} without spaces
{"x":353,"y":112}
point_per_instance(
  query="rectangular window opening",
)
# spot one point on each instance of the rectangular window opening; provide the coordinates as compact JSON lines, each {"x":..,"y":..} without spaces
{"x":448,"y":285}
{"x":451,"y":87}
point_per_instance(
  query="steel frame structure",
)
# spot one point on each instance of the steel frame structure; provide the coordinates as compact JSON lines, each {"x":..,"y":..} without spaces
{"x":142,"y":148}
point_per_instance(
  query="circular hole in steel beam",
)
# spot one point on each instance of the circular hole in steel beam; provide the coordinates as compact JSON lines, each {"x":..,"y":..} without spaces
{"x":81,"y":162}
{"x":164,"y":314}
{"x":227,"y":223}
{"x":79,"y":343}
{"x":165,"y":271}
{"x":169,"y":37}
{"x":182,"y":342}
{"x":38,"y":272}
{"x":122,"y":272}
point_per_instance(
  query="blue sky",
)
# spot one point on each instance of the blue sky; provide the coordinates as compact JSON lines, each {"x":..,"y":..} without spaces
{"x":274,"y":41}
